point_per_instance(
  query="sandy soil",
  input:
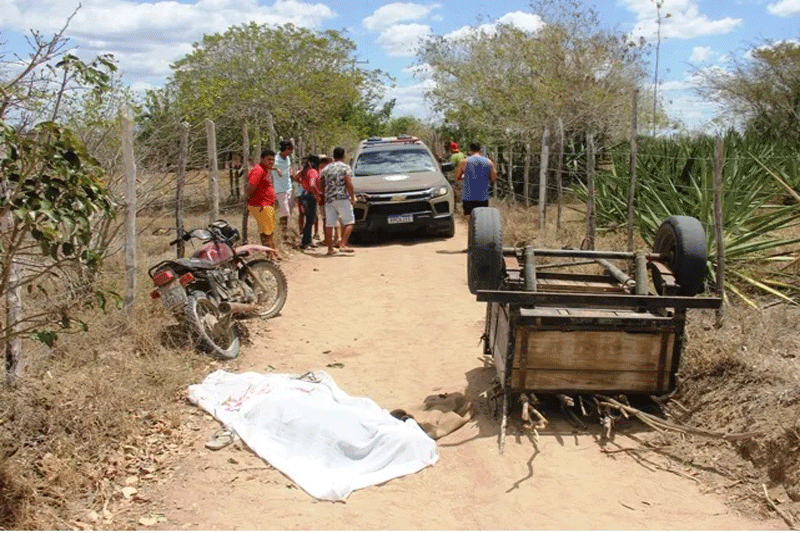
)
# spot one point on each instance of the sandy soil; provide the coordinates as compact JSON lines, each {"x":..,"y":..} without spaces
{"x":399,"y":320}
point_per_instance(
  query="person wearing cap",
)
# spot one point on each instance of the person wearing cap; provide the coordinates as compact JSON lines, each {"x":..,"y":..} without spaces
{"x":456,"y":155}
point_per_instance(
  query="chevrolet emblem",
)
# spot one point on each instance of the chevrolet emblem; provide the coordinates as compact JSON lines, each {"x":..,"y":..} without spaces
{"x":399,"y":198}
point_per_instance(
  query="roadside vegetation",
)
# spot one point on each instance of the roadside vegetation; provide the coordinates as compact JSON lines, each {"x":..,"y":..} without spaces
{"x":94,"y":404}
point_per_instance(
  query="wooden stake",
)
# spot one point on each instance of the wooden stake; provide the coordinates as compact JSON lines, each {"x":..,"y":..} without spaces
{"x":590,"y":216}
{"x":719,"y":151}
{"x":130,"y":214}
{"x":559,"y":166}
{"x":180,"y":186}
{"x":543,"y":177}
{"x":526,"y":175}
{"x":245,"y":175}
{"x":634,"y":152}
{"x":213,"y":169}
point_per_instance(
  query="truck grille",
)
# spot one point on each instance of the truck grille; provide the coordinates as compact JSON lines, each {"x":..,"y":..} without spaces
{"x":399,"y":209}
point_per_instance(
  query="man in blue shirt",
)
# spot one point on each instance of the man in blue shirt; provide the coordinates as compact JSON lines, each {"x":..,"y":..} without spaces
{"x":478,"y":173}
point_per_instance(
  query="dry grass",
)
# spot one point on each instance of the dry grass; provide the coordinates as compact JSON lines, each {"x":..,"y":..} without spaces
{"x":97,"y":408}
{"x":107,"y":405}
{"x":64,"y":426}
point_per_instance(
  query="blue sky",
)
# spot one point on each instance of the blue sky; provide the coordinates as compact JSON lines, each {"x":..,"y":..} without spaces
{"x":147,"y":36}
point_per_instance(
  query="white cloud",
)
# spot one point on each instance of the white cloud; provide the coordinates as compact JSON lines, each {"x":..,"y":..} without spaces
{"x":524,"y":21}
{"x":420,"y":71}
{"x":701,"y":54}
{"x":403,"y":40}
{"x":410,"y":100}
{"x":681,"y":103}
{"x":680,"y":19}
{"x":391,"y":14}
{"x":785,"y":8}
{"x":146,"y":37}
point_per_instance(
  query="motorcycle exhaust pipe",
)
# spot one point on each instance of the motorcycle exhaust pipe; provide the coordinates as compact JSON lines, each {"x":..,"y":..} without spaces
{"x":237,"y":308}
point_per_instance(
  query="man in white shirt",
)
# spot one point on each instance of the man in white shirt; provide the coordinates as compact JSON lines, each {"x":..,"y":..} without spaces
{"x":283,"y":184}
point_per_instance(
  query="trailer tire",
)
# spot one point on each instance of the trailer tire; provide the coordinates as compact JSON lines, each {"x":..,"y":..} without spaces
{"x":683,"y":240}
{"x":485,"y":265}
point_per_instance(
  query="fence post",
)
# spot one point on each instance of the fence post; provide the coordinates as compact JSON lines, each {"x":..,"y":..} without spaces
{"x":213,"y":169}
{"x":559,"y":167}
{"x":719,"y":152}
{"x":632,"y":187}
{"x":526,"y":175}
{"x":245,"y":176}
{"x":590,"y":217}
{"x":511,"y":172}
{"x":271,"y":130}
{"x":180,"y":186}
{"x":543,"y":164}
{"x":130,"y":217}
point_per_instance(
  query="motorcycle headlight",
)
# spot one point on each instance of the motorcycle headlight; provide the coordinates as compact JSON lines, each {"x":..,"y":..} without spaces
{"x":436,"y":192}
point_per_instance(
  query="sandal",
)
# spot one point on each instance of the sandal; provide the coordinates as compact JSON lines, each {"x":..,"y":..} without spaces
{"x":221,"y":438}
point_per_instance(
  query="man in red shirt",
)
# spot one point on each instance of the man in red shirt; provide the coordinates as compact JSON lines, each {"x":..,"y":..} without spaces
{"x":261,"y":197}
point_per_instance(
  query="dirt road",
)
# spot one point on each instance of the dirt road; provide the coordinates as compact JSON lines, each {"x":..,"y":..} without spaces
{"x":400,"y":321}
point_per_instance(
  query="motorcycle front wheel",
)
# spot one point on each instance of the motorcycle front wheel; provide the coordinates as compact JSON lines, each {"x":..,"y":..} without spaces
{"x":216,"y":332}
{"x":270,"y":287}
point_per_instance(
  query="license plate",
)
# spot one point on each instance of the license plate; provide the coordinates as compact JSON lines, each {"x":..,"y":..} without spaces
{"x":173,"y":295}
{"x":400,"y":219}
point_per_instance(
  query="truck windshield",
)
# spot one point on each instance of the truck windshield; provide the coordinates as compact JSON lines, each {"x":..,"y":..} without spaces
{"x":394,"y":162}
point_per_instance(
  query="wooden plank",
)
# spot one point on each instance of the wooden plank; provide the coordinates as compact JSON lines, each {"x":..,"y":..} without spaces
{"x":665,"y":369}
{"x":606,"y":351}
{"x":596,"y":381}
{"x":602,"y":301}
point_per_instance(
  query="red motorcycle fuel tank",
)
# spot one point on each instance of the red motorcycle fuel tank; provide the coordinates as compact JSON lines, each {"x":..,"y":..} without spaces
{"x":215,"y":252}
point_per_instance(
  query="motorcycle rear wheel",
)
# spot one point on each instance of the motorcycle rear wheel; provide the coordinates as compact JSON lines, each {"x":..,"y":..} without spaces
{"x":203,"y":316}
{"x":272,"y":296}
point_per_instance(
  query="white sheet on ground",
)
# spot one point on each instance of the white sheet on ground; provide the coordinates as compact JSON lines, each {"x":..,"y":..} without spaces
{"x":325,"y":440}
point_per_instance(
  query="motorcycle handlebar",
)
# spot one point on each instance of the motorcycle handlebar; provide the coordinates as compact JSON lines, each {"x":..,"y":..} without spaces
{"x":185,"y":237}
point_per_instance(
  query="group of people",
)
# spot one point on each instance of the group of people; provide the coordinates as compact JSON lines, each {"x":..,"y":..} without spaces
{"x":475,"y":170}
{"x":328,"y":182}
{"x":322,"y":181}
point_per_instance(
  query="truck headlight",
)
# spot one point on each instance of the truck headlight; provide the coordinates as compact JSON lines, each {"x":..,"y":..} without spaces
{"x":436,"y":192}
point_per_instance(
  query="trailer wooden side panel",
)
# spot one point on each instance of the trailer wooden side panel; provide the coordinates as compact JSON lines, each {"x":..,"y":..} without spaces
{"x":592,"y":360}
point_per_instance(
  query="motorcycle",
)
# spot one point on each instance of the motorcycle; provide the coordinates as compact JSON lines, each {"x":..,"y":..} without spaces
{"x":216,"y":283}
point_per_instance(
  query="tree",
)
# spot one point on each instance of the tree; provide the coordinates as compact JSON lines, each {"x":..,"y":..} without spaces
{"x":762,"y":89}
{"x":306,"y":81}
{"x":515,"y":82}
{"x":51,"y":196}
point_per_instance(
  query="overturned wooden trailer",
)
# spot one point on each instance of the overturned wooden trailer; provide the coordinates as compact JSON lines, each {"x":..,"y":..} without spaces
{"x":550,"y":330}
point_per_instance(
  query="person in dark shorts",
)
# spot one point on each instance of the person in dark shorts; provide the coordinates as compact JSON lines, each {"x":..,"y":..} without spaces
{"x":478,"y":173}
